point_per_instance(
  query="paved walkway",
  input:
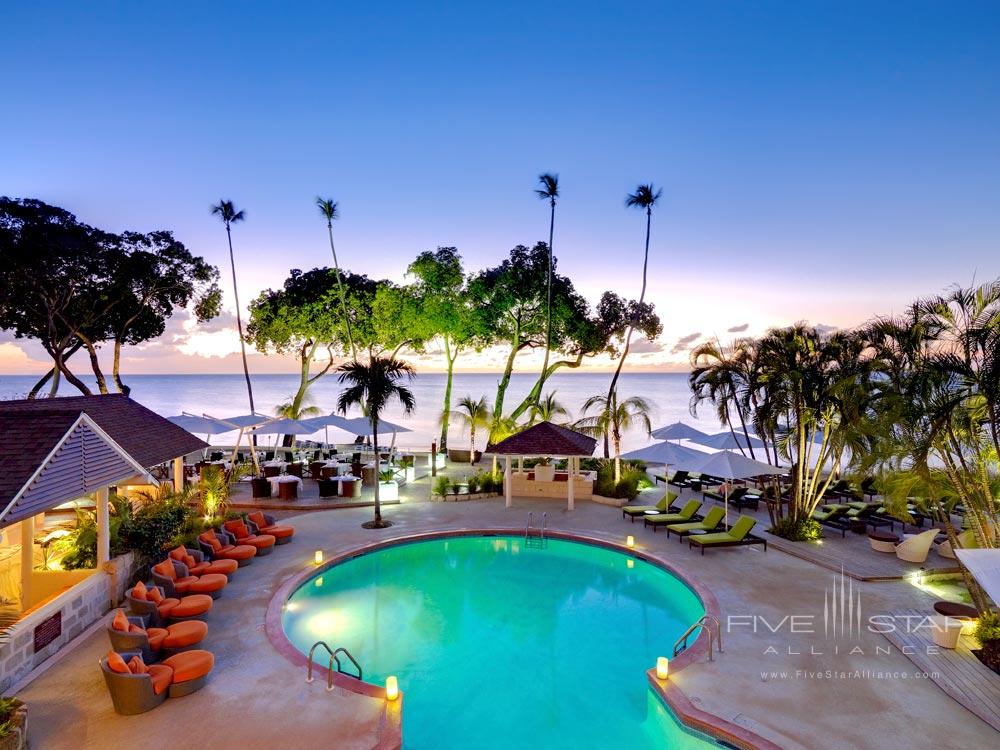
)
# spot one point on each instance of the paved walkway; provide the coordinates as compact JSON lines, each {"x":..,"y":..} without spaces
{"x":765,"y":681}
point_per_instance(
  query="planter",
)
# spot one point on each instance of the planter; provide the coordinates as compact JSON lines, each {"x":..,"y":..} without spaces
{"x":388,"y":491}
{"x":18,"y":737}
{"x":989,"y":655}
{"x":545,"y":473}
{"x":614,"y":502}
{"x":945,"y":631}
{"x":410,"y":474}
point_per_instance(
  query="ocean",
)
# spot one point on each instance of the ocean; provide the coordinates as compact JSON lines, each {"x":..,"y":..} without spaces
{"x":225,"y":396}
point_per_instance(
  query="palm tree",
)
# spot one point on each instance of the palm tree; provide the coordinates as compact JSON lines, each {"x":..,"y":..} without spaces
{"x":549,"y":191}
{"x":290,"y":410}
{"x":372,"y":386}
{"x":229,"y":216}
{"x":328,"y":208}
{"x":720,"y":376}
{"x":614,"y":418}
{"x":473,"y":415}
{"x":644,"y":197}
{"x":548,"y":409}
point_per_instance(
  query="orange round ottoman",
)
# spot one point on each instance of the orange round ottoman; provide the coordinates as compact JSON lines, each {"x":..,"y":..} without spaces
{"x":281,"y":534}
{"x":243,"y":554}
{"x":182,"y":635}
{"x":210,"y":583}
{"x":263,"y":543}
{"x":194,"y":605}
{"x":225,"y":567}
{"x":191,"y":669}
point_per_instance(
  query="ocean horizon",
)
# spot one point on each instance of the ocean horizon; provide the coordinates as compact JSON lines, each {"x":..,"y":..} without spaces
{"x":224,"y":395}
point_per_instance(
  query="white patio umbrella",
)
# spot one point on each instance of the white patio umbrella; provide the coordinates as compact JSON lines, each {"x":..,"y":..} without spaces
{"x":248,"y":420}
{"x":286,"y":427}
{"x":326,"y":422}
{"x":731,"y":465}
{"x":668,"y":454}
{"x":677,"y":431}
{"x":728,"y":441}
{"x":363,"y":426}
{"x":206,"y":426}
{"x":984,"y":565}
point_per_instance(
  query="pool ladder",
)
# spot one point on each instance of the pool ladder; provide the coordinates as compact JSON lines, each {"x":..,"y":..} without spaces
{"x":539,"y":539}
{"x":334,"y":660}
{"x":714,"y":639}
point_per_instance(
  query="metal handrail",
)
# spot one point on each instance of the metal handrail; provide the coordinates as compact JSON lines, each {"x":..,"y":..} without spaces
{"x":703,"y":622}
{"x":545,"y":520}
{"x":333,"y":660}
{"x":527,"y":526}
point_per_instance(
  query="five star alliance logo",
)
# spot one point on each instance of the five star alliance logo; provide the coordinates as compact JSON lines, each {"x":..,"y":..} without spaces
{"x":842,"y":609}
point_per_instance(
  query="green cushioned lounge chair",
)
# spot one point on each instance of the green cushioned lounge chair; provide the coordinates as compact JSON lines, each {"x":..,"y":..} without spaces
{"x":712,"y":520}
{"x":737,"y":536}
{"x":687,"y":513}
{"x":632,"y":511}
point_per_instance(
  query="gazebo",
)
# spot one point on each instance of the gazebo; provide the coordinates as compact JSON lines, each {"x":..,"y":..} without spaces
{"x":550,"y":441}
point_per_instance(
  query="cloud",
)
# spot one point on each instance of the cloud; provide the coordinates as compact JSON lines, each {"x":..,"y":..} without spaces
{"x":645,"y":346}
{"x":739,"y":329}
{"x":684,"y":342}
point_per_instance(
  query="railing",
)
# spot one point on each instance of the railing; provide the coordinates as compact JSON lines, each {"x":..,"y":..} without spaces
{"x":541,"y":531}
{"x":713,"y":638}
{"x":334,"y":660}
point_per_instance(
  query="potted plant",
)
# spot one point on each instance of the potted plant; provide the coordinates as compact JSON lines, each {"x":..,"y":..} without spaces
{"x":473,"y":484}
{"x":545,"y":471}
{"x":13,"y":724}
{"x":388,"y":487}
{"x":406,"y":463}
{"x":441,"y":486}
{"x":987,"y":632}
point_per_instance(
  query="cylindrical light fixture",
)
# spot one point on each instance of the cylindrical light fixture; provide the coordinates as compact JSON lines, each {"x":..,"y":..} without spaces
{"x":391,"y":688}
{"x":318,"y":557}
{"x":630,"y":541}
{"x":662,"y":667}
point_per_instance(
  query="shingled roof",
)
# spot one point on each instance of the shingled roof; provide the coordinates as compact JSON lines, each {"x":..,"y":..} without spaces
{"x":545,"y":439}
{"x":32,"y":430}
{"x":146,"y":436}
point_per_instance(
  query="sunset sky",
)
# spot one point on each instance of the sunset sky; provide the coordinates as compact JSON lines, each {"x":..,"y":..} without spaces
{"x":819,"y":161}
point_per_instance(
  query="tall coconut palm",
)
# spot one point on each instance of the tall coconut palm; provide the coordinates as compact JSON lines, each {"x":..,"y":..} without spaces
{"x":473,"y":415}
{"x":644,"y":197}
{"x":548,"y":191}
{"x":612,"y":419}
{"x":328,"y":208}
{"x":372,"y":386}
{"x":548,"y":409}
{"x":228,"y":214}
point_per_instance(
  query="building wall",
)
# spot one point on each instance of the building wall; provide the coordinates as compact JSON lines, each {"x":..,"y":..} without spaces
{"x":81,"y":606}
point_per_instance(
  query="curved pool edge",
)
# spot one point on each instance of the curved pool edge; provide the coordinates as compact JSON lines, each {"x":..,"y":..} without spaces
{"x":391,"y":726}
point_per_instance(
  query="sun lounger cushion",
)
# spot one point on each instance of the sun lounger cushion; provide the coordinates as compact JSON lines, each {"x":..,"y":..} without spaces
{"x":140,"y":592}
{"x":120,"y":622}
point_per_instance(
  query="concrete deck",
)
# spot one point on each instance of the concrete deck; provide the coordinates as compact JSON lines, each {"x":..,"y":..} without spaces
{"x":764,"y":681}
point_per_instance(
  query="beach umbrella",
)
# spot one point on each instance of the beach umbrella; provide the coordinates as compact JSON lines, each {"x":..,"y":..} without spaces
{"x":203,"y":425}
{"x":363,"y":426}
{"x":327,"y":421}
{"x":285,"y":427}
{"x":728,"y":441}
{"x":248,"y":420}
{"x":668,"y":454}
{"x":677,"y":431}
{"x":731,"y":465}
{"x":984,"y":565}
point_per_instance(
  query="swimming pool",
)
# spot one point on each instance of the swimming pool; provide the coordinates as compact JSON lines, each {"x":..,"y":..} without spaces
{"x":498,"y":643}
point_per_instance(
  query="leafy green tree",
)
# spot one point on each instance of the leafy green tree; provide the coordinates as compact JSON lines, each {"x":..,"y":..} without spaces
{"x":612,"y":419}
{"x":644,"y":198}
{"x":328,"y":209}
{"x":473,"y":415}
{"x":304,"y":319}
{"x":373,"y":386}
{"x":447,"y":310}
{"x":228,"y":215}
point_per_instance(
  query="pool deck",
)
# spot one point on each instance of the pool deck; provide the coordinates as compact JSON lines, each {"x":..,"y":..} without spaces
{"x":764,"y":681}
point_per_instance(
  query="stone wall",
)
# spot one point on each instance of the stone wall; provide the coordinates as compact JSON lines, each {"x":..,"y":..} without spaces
{"x":81,"y":606}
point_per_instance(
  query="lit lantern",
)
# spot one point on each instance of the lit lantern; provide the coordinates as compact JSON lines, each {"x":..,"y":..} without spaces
{"x":630,"y":563}
{"x":391,"y":688}
{"x":662,"y":667}
{"x":630,"y":541}
{"x":318,"y":557}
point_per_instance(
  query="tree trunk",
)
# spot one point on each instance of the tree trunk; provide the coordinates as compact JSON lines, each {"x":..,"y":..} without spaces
{"x":116,"y":369}
{"x":535,"y":394}
{"x":343,"y":296}
{"x":378,"y":468}
{"x":505,"y":380}
{"x":548,"y":299}
{"x":33,"y":393}
{"x":446,"y":414}
{"x":239,"y":321}
{"x":631,"y":328}
{"x":95,"y":365}
{"x":472,"y":444}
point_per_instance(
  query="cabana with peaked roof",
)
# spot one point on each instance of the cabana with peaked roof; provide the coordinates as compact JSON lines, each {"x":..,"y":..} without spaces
{"x":549,"y":441}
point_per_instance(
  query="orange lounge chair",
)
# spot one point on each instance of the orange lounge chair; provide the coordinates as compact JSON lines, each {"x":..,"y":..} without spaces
{"x":264,"y":523}
{"x":130,"y":634}
{"x":241,"y":534}
{"x":217,"y":547}
{"x":159,"y":608}
{"x":197,"y":565}
{"x":173,"y":578}
{"x":136,"y":687}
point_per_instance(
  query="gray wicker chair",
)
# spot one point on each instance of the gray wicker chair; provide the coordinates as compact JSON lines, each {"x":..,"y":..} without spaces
{"x":131,"y":693}
{"x":132,"y":642}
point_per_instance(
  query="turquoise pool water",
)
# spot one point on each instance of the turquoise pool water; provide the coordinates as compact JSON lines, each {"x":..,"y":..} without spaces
{"x":499,"y":645}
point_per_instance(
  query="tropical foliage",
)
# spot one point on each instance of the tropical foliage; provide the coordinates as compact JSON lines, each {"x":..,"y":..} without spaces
{"x":612,"y":418}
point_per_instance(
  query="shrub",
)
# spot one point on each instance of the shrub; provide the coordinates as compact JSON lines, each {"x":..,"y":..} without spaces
{"x":473,"y":483}
{"x":988,"y":628}
{"x":805,"y":530}
{"x":7,"y":708}
{"x":628,"y":483}
{"x":387,"y":476}
{"x":456,"y":487}
{"x":441,"y":485}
